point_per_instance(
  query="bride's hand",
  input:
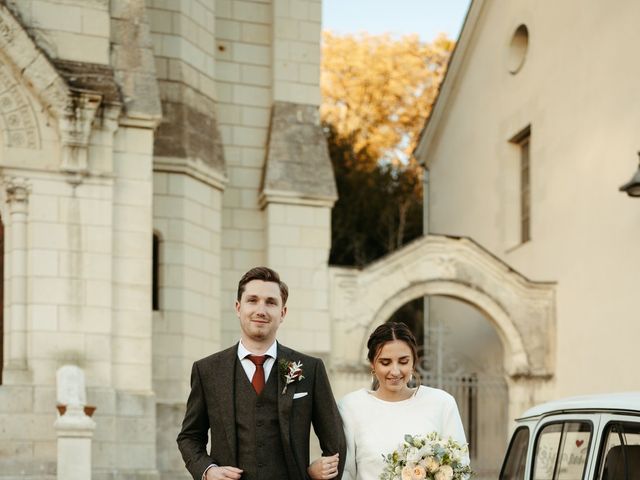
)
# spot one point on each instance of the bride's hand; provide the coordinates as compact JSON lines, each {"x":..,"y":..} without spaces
{"x":324,"y":468}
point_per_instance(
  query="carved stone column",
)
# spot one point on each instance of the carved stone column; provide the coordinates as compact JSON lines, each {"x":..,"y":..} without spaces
{"x":17,"y":196}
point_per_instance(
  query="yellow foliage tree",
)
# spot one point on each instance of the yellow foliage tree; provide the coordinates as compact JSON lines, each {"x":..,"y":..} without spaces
{"x":378,"y":91}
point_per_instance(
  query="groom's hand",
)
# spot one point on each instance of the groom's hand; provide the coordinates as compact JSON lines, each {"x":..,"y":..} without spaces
{"x":324,"y":467}
{"x":223,"y":473}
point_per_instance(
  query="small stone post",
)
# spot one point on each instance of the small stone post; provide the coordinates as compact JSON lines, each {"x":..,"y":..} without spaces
{"x":73,"y":427}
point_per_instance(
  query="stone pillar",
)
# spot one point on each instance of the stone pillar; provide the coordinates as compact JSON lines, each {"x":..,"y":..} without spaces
{"x":297,"y":195}
{"x":73,"y":427}
{"x":17,"y":197}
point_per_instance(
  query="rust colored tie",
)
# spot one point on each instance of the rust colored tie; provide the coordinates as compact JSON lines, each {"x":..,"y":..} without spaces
{"x":258,"y":377}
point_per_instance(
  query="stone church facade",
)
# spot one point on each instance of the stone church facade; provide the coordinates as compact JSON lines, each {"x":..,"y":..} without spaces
{"x":151,"y":152}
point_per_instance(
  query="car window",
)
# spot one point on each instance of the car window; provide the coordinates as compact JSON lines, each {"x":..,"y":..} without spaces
{"x":516,"y":459}
{"x":561,"y":451}
{"x":620,"y":456}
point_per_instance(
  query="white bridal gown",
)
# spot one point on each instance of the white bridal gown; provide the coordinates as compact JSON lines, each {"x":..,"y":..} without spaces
{"x":375,"y":427}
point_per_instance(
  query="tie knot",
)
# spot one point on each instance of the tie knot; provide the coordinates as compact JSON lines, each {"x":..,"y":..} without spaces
{"x":257,"y":359}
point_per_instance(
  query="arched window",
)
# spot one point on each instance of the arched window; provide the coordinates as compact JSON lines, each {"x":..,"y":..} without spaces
{"x":155,"y":270}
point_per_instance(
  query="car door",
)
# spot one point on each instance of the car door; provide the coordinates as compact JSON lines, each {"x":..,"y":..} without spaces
{"x":619,"y":453}
{"x":563,"y":446}
{"x":514,"y":466}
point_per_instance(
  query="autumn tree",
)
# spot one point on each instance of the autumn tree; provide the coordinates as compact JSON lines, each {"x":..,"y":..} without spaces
{"x":377,"y":93}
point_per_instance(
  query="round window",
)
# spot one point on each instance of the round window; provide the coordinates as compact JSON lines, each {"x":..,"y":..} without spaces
{"x":518,"y":48}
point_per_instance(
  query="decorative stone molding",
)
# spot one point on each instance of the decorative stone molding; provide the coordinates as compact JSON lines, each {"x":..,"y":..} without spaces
{"x":16,"y":113}
{"x":522,"y":311}
{"x":75,"y":128}
{"x":298,"y":168}
{"x":70,"y":92}
{"x":32,"y":64}
{"x":18,"y":190}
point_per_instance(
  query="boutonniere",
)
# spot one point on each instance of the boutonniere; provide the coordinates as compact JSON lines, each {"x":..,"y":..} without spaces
{"x":291,"y":372}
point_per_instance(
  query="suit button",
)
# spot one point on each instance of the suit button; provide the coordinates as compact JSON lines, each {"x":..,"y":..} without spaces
{"x":260,"y":465}
{"x":259,"y":423}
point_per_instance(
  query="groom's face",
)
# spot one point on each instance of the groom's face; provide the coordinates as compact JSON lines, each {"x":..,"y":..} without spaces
{"x":260,"y":311}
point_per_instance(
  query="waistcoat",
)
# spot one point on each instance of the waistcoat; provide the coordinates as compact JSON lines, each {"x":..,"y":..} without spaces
{"x":260,"y":452}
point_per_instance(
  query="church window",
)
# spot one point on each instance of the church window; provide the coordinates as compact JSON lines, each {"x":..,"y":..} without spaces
{"x":523,"y":141}
{"x":155,"y":271}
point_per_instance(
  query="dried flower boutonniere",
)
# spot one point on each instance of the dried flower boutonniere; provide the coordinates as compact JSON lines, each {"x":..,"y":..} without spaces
{"x":291,"y":372}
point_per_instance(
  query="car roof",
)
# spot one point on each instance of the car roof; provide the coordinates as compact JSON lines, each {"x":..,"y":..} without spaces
{"x":626,"y":401}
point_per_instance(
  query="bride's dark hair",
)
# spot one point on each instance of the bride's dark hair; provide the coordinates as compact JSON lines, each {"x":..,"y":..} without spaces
{"x":388,"y":332}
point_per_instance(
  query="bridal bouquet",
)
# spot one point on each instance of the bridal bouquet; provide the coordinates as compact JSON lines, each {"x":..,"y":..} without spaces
{"x":427,"y":457}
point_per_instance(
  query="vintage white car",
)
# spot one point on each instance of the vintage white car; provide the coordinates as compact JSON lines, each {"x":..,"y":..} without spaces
{"x":595,"y":437}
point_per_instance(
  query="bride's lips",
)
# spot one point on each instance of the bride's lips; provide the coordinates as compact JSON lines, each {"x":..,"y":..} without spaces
{"x":394,"y":379}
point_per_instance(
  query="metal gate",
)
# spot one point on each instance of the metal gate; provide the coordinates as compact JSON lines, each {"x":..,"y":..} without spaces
{"x":483,"y":403}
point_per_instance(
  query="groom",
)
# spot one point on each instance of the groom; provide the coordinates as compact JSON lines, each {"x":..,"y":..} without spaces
{"x":259,"y":398}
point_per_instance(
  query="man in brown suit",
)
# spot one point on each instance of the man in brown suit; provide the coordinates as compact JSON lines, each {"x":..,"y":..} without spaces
{"x":259,"y":400}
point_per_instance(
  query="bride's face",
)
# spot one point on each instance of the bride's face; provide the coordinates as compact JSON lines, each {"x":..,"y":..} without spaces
{"x":393,"y":366}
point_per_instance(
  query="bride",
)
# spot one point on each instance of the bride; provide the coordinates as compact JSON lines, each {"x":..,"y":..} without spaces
{"x":376,"y":421}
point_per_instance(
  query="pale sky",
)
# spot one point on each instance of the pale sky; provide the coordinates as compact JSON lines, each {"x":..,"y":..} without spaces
{"x":427,"y":18}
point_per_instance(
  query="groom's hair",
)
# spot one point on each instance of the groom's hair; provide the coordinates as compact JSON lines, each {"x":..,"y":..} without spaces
{"x":266,"y":275}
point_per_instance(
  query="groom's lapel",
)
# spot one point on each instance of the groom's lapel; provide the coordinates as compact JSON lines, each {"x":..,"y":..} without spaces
{"x":285,"y":401}
{"x":225,"y":388}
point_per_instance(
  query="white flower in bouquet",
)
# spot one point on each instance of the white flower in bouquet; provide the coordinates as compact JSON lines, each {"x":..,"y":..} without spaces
{"x":414,"y":456}
{"x":419,"y":473}
{"x":426,"y":451}
{"x":445,"y":472}
{"x":406,"y":473}
{"x":431,"y":464}
{"x":427,"y":457}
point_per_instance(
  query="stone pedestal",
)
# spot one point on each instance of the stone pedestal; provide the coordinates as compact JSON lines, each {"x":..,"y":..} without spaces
{"x":75,"y":431}
{"x":74,"y":428}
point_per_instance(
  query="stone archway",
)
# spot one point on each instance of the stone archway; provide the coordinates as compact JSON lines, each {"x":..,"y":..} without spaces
{"x":521,"y":311}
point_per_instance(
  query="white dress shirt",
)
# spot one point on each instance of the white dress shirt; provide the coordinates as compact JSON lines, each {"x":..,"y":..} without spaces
{"x":250,"y":368}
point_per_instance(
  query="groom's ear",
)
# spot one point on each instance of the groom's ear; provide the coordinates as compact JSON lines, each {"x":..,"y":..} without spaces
{"x":238,"y":308}
{"x":284,"y":312}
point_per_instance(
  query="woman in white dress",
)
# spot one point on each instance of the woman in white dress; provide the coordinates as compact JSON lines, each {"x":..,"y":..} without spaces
{"x":376,"y":421}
